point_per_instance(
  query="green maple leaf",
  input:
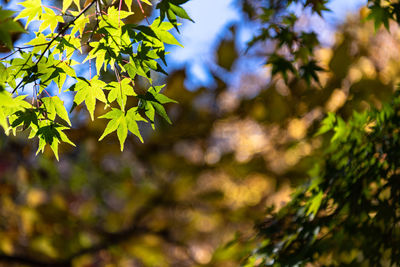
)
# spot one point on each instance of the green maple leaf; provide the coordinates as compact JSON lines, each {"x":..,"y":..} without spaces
{"x":152,"y":102}
{"x":120,"y":91}
{"x":172,"y":9}
{"x":380,"y":15}
{"x":179,"y":11}
{"x":6,"y":104}
{"x":327,"y":124}
{"x":318,"y":6}
{"x":309,"y":71}
{"x":50,"y":19}
{"x":116,"y":40}
{"x":89,"y":91}
{"x":79,"y":24}
{"x":121,"y":122}
{"x":281,"y":65}
{"x":68,"y":44}
{"x":27,"y":118}
{"x":136,"y":67}
{"x":20,"y":68}
{"x":51,"y":134}
{"x":33,"y":9}
{"x":341,"y":130}
{"x":55,"y":106}
{"x":50,"y":69}
{"x":65,"y":70}
{"x":161,"y":30}
{"x":315,"y":203}
{"x":98,"y":52}
{"x":114,"y":17}
{"x":107,"y":51}
{"x":13,"y":109}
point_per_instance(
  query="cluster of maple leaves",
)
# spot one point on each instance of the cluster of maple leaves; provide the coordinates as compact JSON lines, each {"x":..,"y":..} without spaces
{"x":128,"y":50}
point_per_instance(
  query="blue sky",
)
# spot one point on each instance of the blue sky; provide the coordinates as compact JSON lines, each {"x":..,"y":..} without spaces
{"x":212,"y":17}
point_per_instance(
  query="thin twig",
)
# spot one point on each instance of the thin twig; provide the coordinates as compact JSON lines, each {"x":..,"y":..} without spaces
{"x":10,"y":54}
{"x":141,"y":9}
{"x":19,"y":49}
{"x":119,"y":13}
{"x":54,"y":8}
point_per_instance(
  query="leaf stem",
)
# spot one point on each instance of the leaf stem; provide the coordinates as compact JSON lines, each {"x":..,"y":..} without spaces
{"x":119,"y":13}
{"x":141,"y":9}
{"x":56,"y":8}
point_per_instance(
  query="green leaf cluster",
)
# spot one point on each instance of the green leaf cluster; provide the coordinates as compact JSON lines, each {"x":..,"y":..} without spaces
{"x":292,"y":50}
{"x":172,"y":10}
{"x":381,"y":12}
{"x":99,"y":27}
{"x":350,"y":202}
{"x":290,"y":45}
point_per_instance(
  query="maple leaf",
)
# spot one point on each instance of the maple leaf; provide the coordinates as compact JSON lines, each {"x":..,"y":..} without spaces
{"x":65,"y":67}
{"x":9,"y":106}
{"x":172,"y":9}
{"x":33,"y":9}
{"x":27,"y":118}
{"x":281,"y":65}
{"x":136,"y":67}
{"x":161,"y":30}
{"x":99,"y":52}
{"x":80,"y":23}
{"x":51,"y":134}
{"x":309,"y":71}
{"x":152,"y":102}
{"x":14,"y":109}
{"x":121,"y":122}
{"x":380,"y":15}
{"x":120,"y":91}
{"x":89,"y":91}
{"x":55,"y":106}
{"x":68,"y":44}
{"x":114,"y":17}
{"x":50,"y":19}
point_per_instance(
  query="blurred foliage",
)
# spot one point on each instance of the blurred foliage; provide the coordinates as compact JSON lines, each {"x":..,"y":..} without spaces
{"x":191,"y":194}
{"x":348,"y":214}
{"x":292,"y":46}
{"x":8,"y":27}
